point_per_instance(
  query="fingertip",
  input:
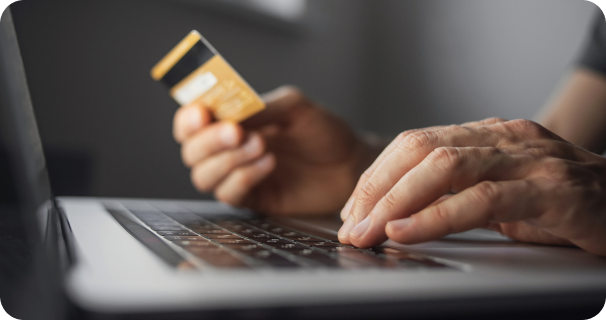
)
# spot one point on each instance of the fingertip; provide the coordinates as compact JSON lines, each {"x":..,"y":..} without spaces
{"x":343,"y":234}
{"x":399,"y":230}
{"x":253,"y":146}
{"x":231,"y":134}
{"x":347,"y":208}
{"x":188,"y":119}
{"x":368,"y":233}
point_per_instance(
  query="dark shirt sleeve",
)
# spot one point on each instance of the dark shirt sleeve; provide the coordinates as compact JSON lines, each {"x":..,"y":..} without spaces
{"x":594,"y":55}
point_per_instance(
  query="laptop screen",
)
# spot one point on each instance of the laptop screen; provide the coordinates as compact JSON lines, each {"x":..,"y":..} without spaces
{"x":23,"y":144}
{"x":39,"y":292}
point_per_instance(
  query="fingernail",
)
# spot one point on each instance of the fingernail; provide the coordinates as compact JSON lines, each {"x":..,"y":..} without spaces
{"x":228,"y":135}
{"x":252,"y":146}
{"x":192,"y":118}
{"x":359,"y":230}
{"x":401,"y":224}
{"x":347,"y":209}
{"x":345,"y":229}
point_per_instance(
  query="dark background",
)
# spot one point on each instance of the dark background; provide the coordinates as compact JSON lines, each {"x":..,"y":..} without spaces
{"x":385,"y":66}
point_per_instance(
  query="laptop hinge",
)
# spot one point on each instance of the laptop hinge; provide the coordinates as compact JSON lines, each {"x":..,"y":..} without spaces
{"x":59,"y":233}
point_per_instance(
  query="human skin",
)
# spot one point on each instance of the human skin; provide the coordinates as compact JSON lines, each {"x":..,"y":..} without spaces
{"x":515,"y":177}
{"x":578,"y":112}
{"x":293,"y":158}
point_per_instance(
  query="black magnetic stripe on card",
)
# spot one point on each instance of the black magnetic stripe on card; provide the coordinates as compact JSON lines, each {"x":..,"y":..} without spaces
{"x":198,"y":55}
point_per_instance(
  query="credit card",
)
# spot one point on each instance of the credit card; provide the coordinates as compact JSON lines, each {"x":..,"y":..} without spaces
{"x":195,"y":72}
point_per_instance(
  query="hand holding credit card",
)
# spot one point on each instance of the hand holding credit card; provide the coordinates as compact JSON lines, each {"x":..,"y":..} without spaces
{"x":196,"y":73}
{"x":293,"y":158}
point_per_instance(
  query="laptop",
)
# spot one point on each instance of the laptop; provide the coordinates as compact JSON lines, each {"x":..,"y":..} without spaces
{"x":147,"y":258}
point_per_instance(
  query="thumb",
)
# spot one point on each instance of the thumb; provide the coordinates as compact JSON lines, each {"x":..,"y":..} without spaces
{"x":281,"y":104}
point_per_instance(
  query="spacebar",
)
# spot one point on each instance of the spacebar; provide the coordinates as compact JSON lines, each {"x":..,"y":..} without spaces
{"x":149,"y":239}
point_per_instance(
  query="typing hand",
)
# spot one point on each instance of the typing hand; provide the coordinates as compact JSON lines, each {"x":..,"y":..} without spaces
{"x":292,"y":158}
{"x":515,"y":177}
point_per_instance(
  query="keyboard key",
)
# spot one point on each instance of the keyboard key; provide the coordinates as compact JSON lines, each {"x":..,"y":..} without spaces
{"x":162,"y":227}
{"x":176,"y":233}
{"x":273,"y":240}
{"x":210,"y":231}
{"x":201,"y":225}
{"x":291,"y":234}
{"x":233,"y":241}
{"x":277,"y":230}
{"x":305,"y":239}
{"x":186,"y":243}
{"x":164,"y":224}
{"x":338,"y":249}
{"x":247,"y":231}
{"x":222,"y":236}
{"x":258,"y":235}
{"x":205,"y":250}
{"x":258,"y":254}
{"x":245,"y":247}
{"x":184,"y":238}
{"x":288,"y":246}
{"x":261,"y":224}
{"x":221,"y":244}
{"x":321,"y":244}
{"x":170,"y":229}
{"x":230,"y":224}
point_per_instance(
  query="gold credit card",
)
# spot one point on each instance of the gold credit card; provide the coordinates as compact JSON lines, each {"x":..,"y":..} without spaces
{"x":195,"y":72}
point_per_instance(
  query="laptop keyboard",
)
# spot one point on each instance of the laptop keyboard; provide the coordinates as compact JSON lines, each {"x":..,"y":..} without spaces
{"x":243,"y":243}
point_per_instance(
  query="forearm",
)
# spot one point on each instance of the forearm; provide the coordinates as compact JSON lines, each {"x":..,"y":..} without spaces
{"x":578,"y":114}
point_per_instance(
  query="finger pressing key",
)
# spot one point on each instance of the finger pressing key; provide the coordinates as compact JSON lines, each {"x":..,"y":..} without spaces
{"x":368,"y":173}
{"x":445,"y":170}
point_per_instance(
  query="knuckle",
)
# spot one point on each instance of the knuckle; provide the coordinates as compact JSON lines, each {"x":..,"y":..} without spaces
{"x":366,"y":175}
{"x":402,"y":135}
{"x":441,"y":213}
{"x":494,"y":120}
{"x":415,"y":140}
{"x":556,"y":169}
{"x":446,"y":158}
{"x":390,"y":200}
{"x":368,"y":191}
{"x":365,"y":197}
{"x":486,"y":122}
{"x":487,"y":192}
{"x":528,"y":128}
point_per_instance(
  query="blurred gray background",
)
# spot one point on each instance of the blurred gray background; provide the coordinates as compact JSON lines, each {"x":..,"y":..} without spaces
{"x":385,"y":66}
